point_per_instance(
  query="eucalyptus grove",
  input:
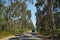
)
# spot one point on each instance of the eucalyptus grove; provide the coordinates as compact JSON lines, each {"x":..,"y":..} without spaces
{"x":46,"y":17}
{"x":14,"y":17}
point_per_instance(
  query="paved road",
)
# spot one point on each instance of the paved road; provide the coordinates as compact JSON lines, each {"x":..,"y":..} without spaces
{"x":25,"y":36}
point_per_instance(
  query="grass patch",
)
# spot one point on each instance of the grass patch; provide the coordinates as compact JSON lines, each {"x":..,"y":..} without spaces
{"x":4,"y":34}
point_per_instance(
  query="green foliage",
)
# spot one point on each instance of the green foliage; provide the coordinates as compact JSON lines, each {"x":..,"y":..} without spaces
{"x":14,"y":18}
{"x":48,"y":20}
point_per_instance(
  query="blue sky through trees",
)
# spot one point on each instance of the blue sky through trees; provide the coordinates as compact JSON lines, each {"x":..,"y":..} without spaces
{"x":33,"y":11}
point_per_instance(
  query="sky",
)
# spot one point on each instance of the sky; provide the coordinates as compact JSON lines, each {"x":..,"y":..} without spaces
{"x":33,"y":11}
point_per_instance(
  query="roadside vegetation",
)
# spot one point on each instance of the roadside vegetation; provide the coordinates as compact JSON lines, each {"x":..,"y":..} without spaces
{"x":14,"y":18}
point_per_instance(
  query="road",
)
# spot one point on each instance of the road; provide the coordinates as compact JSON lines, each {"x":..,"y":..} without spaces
{"x":25,"y":36}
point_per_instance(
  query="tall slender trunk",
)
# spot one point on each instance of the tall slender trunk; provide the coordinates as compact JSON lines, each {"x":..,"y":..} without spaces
{"x":51,"y":13}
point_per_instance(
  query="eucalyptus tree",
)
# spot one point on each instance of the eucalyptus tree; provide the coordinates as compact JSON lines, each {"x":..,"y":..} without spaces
{"x":46,"y":10}
{"x":18,"y":14}
{"x":2,"y":19}
{"x":0,"y":12}
{"x":15,"y":11}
